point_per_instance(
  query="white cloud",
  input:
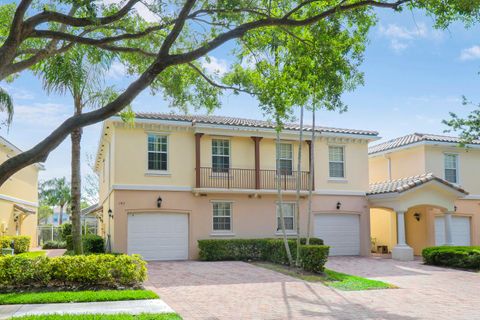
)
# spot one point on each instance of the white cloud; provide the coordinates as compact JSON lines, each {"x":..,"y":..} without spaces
{"x":117,"y":71}
{"x":471,"y":53}
{"x":41,"y":114}
{"x":214,"y":65}
{"x":402,"y":37}
{"x":141,"y":9}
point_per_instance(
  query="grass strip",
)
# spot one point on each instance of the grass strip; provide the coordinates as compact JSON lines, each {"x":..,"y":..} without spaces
{"x":330,"y":278}
{"x":75,"y":296}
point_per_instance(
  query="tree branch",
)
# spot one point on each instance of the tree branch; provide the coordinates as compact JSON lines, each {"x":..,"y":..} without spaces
{"x":53,"y":16}
{"x":177,"y":28}
{"x":213,"y":83}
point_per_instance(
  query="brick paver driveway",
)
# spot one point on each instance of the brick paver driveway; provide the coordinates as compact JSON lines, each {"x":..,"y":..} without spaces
{"x":237,"y":290}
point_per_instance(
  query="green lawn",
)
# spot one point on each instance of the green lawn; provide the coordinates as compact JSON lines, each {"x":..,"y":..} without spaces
{"x":144,"y":316}
{"x":330,"y":278}
{"x":32,"y":254}
{"x":75,"y":296}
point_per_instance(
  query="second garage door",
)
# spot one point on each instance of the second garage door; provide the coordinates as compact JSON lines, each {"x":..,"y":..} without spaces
{"x":460,"y":231}
{"x":158,"y":236}
{"x":339,"y":231}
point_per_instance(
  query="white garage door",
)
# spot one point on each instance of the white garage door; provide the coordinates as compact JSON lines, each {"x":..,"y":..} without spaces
{"x":460,"y":231}
{"x":339,"y":231}
{"x":158,"y":236}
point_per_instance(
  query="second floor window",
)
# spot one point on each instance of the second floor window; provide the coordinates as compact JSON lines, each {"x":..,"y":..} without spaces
{"x":451,"y":168}
{"x":285,"y":157}
{"x":220,"y":155}
{"x":157,"y":152}
{"x":288,"y":216}
{"x":336,"y":162}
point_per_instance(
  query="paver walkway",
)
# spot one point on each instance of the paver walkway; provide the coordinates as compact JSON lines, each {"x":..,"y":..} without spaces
{"x":111,"y":307}
{"x":237,"y":290}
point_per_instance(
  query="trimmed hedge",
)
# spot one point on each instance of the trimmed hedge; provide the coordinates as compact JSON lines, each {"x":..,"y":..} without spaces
{"x":267,"y":249}
{"x":21,"y":244}
{"x":72,"y":272}
{"x":314,"y":257}
{"x":54,"y":245}
{"x":456,"y":257}
{"x":92,"y":243}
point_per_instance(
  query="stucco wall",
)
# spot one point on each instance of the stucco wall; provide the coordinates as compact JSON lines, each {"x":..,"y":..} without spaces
{"x":404,"y":163}
{"x":252,"y":217}
{"x":468,"y":160}
{"x":21,"y":187}
{"x":383,"y":226}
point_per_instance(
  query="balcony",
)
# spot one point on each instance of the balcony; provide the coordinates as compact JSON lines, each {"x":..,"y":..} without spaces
{"x":233,"y":178}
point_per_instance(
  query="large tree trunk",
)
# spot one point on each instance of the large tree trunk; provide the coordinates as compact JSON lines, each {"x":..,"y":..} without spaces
{"x":311,"y":176}
{"x":76,"y":184}
{"x":280,"y":202}
{"x":299,"y":181}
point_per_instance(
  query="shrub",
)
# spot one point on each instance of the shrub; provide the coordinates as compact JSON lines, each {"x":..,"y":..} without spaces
{"x":65,"y":231}
{"x":449,"y":256}
{"x":72,"y":272}
{"x":54,"y":245}
{"x":93,"y":243}
{"x":21,"y":244}
{"x":266,"y":249}
{"x":314,"y":257}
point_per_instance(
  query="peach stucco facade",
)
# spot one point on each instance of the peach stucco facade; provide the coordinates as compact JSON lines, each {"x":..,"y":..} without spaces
{"x":19,"y":198}
{"x":252,"y":217}
{"x":429,"y":202}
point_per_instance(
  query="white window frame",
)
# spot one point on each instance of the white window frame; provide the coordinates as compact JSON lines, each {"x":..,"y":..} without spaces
{"x":229,"y":155}
{"x":222,"y":231}
{"x":343,"y":162}
{"x":291,"y":159}
{"x":277,"y":218}
{"x":457,"y":159}
{"x":159,"y":171}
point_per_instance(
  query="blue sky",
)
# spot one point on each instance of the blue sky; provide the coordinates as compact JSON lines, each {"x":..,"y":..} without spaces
{"x":414,"y":75}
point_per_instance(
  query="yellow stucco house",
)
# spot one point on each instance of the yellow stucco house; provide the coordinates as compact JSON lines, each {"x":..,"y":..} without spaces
{"x":19,"y":197}
{"x":424,"y":191}
{"x":171,"y":180}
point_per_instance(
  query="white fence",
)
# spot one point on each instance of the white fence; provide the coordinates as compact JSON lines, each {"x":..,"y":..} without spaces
{"x":52,"y":233}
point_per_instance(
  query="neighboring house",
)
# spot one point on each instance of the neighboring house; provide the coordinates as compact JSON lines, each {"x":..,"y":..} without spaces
{"x":19,"y":197}
{"x":171,"y":180}
{"x":54,"y":219}
{"x":424,"y":191}
{"x":89,"y":217}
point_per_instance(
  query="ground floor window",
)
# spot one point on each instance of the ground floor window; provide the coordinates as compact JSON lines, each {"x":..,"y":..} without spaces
{"x":288,"y":216}
{"x":222,"y":216}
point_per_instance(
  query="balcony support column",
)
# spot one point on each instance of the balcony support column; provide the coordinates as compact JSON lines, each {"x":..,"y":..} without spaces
{"x":198,"y":135}
{"x":310,"y":161}
{"x":256,"y":140}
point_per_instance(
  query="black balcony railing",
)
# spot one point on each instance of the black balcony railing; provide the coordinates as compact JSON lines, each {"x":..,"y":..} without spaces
{"x":233,"y":178}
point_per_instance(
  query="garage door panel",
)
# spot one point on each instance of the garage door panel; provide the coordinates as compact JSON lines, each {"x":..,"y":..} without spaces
{"x":158,"y":236}
{"x":339,"y":231}
{"x":460,"y":231}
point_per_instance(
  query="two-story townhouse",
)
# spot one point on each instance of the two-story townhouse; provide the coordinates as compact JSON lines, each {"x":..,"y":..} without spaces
{"x":424,"y":191}
{"x":19,"y":197}
{"x":170,"y":180}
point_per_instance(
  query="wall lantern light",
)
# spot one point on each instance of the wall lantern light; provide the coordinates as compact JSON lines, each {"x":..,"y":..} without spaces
{"x":159,"y":202}
{"x":455,"y":208}
{"x":110,"y":213}
{"x":339,"y":205}
{"x":417,"y":216}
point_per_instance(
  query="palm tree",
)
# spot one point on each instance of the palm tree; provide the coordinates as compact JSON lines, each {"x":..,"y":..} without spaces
{"x":299,"y":181}
{"x":6,"y":104}
{"x":279,"y":196}
{"x":311,"y":176}
{"x":56,"y":192}
{"x":73,"y":73}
